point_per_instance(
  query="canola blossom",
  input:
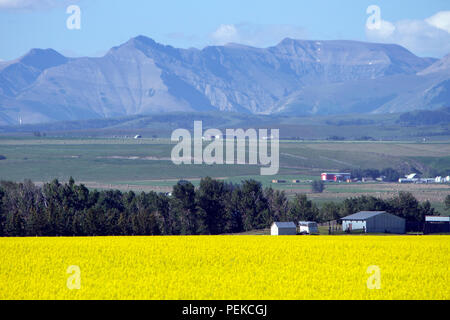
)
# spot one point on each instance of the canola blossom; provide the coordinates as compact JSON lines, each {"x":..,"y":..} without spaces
{"x":226,"y":267}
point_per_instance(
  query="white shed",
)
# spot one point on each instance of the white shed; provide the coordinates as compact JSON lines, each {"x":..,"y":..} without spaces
{"x":374,"y":222}
{"x":283,"y":229}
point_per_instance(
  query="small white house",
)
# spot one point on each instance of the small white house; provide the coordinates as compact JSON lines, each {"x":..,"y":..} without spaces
{"x":308,"y":227}
{"x":283,"y":229}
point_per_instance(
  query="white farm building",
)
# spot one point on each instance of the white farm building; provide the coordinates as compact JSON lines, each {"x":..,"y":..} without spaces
{"x":374,"y":222}
{"x":283,"y":229}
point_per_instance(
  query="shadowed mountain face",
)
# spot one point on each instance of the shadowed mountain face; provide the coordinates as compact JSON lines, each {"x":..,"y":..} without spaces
{"x":294,"y":77}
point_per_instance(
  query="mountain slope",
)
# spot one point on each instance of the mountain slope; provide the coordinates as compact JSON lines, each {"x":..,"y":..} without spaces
{"x":440,"y":66}
{"x":294,"y":77}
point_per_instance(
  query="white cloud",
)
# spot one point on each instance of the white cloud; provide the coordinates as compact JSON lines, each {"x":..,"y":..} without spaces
{"x":32,"y":4}
{"x":440,"y":20}
{"x":226,"y":33}
{"x":429,"y":37}
{"x":254,"y":34}
{"x":386,"y":29}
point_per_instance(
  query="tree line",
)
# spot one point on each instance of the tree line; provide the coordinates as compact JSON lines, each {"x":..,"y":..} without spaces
{"x":389,"y":174}
{"x":215,"y":207}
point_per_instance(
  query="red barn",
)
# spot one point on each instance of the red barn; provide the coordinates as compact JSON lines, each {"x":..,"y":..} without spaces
{"x":336,"y":177}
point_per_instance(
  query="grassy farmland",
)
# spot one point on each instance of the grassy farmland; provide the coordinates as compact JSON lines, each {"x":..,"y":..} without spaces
{"x":145,"y":165}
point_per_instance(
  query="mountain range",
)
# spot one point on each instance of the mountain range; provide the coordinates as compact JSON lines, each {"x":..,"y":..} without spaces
{"x":295,"y":77}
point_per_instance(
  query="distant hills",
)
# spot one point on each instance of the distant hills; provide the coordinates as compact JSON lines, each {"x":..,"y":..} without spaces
{"x":293,"y":78}
{"x":415,"y":125}
{"x":424,"y":118}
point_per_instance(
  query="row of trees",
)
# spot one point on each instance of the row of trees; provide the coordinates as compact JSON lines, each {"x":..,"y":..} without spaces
{"x":391,"y":175}
{"x":215,"y":207}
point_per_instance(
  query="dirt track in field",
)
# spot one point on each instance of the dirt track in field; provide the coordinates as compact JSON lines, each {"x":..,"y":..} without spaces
{"x":422,"y":192}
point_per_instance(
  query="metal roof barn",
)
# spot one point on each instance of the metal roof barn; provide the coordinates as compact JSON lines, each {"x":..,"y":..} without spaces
{"x":436,"y":224}
{"x":283,"y":229}
{"x":437,"y":219}
{"x":374,"y":222}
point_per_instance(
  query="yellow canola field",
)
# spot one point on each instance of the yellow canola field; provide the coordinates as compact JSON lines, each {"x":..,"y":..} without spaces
{"x":226,"y":267}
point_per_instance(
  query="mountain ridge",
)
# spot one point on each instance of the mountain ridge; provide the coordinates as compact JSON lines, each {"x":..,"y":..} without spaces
{"x":296,"y":77}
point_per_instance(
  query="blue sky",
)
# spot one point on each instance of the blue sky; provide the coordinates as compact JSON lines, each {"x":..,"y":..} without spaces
{"x":421,"y":26}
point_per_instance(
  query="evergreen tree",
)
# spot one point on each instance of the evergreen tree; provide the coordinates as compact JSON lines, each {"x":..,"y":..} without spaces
{"x":317,"y":186}
{"x":144,"y":220}
{"x":391,"y":175}
{"x":447,"y":202}
{"x":302,"y":209}
{"x":278,"y":205}
{"x":425,"y":209}
{"x":405,"y":205}
{"x":123,"y":224}
{"x":2,"y":212}
{"x":348,"y":207}
{"x":164,"y":218}
{"x":329,"y":212}
{"x":233,"y":213}
{"x":37,"y":223}
{"x":211,"y":206}
{"x":78,"y":224}
{"x":94,"y":222}
{"x":184,"y":208}
{"x":371,"y":173}
{"x":253,"y":206}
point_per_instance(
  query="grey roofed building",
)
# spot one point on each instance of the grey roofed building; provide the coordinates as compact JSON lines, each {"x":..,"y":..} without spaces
{"x":283,"y":228}
{"x":285,"y":224}
{"x":374,"y":222}
{"x":363,"y":215}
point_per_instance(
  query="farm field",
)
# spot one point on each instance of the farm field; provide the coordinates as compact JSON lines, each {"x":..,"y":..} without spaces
{"x":225,"y":267}
{"x":119,"y":160}
{"x":430,"y":192}
{"x":144,"y":165}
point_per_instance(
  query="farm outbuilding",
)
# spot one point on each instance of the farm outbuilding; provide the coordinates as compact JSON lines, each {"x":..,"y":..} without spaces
{"x":283,"y":229}
{"x":437,"y":224}
{"x":374,"y":222}
{"x":308,"y":227}
{"x":336,"y":177}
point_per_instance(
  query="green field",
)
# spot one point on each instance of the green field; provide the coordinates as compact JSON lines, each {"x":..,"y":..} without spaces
{"x":145,"y":165}
{"x":116,"y":160}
